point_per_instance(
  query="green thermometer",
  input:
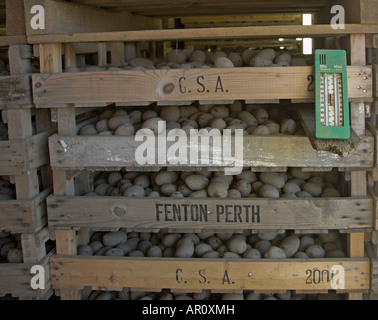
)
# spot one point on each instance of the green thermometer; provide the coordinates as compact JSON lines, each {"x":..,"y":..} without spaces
{"x":331,"y":95}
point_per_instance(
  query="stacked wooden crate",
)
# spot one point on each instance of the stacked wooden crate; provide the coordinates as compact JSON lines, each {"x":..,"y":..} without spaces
{"x":25,"y":165}
{"x":74,"y":157}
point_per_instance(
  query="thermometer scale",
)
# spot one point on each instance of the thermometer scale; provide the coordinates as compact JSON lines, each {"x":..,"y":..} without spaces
{"x":331,"y":95}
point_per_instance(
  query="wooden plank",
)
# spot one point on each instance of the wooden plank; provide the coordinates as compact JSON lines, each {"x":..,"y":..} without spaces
{"x":375,"y":80}
{"x":369,"y":11}
{"x":15,"y":18}
{"x":225,"y":214}
{"x":20,"y":127}
{"x":336,"y":146}
{"x":12,"y":40}
{"x":20,"y":59}
{"x":50,"y":57}
{"x":374,"y":267}
{"x":34,"y":245}
{"x":24,"y":216}
{"x":255,"y":4}
{"x":94,"y":152}
{"x":51,"y":62}
{"x":12,"y":160}
{"x":235,"y":274}
{"x":189,"y":85}
{"x":65,"y":241}
{"x":206,"y":33}
{"x":358,"y":178}
{"x":15,"y":91}
{"x":62,"y":17}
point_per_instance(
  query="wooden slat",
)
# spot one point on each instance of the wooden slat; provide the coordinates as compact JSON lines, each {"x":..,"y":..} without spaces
{"x":361,"y":11}
{"x":15,"y":18}
{"x":162,"y":213}
{"x":12,"y":158}
{"x":375,"y":79}
{"x":374,"y":267}
{"x":207,"y":33}
{"x":12,"y":40}
{"x":62,"y":17}
{"x":191,"y":274}
{"x":98,"y":153}
{"x":182,"y":8}
{"x":189,"y":85}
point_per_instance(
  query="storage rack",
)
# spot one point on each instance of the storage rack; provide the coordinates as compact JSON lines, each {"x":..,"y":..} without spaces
{"x":25,"y":161}
{"x":65,"y":91}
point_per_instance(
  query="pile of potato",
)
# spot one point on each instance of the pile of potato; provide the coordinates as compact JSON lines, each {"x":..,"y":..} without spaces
{"x":292,"y":184}
{"x":192,"y":59}
{"x":10,"y":248}
{"x":206,"y":244}
{"x":7,"y":190}
{"x":252,"y":119}
{"x":126,"y":294}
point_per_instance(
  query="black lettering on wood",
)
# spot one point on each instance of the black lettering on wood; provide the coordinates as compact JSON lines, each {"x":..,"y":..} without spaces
{"x":176,"y":212}
{"x":310,"y":86}
{"x":203,"y":212}
{"x":219,"y":85}
{"x":246,"y":213}
{"x":237,"y":213}
{"x":256,"y":213}
{"x":182,"y":88}
{"x":201,"y":84}
{"x":228,"y":213}
{"x":219,"y":210}
{"x":203,"y":280}
{"x":158,"y":211}
{"x":194,"y":212}
{"x":226,"y":278}
{"x":178,"y":275}
{"x":167,"y":212}
{"x":308,"y":279}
